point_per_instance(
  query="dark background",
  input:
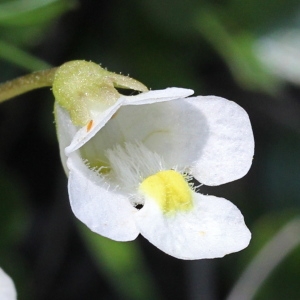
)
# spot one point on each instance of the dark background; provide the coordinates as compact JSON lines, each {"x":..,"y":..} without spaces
{"x":203,"y":45}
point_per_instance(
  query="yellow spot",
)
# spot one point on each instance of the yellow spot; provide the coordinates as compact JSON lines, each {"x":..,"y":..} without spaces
{"x":89,"y":125}
{"x":170,"y":190}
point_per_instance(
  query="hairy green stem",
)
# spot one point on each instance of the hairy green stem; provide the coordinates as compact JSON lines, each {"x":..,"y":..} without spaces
{"x":26,"y":83}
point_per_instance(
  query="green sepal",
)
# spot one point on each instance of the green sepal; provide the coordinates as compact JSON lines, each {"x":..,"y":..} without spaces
{"x":85,"y":89}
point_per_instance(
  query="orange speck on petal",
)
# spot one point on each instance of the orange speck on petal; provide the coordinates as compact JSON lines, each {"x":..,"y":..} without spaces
{"x":89,"y":125}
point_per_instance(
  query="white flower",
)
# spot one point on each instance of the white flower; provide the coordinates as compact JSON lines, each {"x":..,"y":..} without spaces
{"x":7,"y":287}
{"x":129,"y":168}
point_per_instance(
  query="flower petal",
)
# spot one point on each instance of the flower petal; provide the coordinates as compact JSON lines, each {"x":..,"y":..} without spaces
{"x":228,"y":151}
{"x":104,"y":211}
{"x":173,"y":129}
{"x":7,"y":287}
{"x":65,"y":131}
{"x":213,"y":228}
{"x":85,"y":133}
{"x":158,"y":96}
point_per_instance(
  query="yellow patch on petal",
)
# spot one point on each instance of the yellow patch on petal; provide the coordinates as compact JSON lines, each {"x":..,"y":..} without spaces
{"x":170,"y":190}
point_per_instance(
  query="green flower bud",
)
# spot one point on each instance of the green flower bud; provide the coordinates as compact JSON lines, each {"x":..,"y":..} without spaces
{"x":85,"y":89}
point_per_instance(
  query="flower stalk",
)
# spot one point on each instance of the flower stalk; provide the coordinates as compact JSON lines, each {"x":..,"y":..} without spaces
{"x":26,"y":83}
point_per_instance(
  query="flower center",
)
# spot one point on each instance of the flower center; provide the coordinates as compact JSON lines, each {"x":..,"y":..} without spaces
{"x":169,"y":189}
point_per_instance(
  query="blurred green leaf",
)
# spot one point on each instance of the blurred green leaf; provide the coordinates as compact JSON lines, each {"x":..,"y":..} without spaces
{"x":123,"y":264}
{"x":23,"y":24}
{"x":237,"y":52}
{"x":273,"y":258}
{"x":21,"y":58}
{"x":29,"y":12}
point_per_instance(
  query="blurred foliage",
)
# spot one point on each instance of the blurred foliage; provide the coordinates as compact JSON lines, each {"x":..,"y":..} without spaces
{"x":276,"y":248}
{"x":208,"y":46}
{"x":24,"y":23}
{"x":31,"y":12}
{"x":283,"y":281}
{"x":14,"y":223}
{"x":123,"y":264}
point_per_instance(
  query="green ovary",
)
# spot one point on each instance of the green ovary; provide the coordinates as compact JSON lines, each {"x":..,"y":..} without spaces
{"x":170,"y":190}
